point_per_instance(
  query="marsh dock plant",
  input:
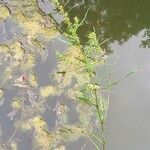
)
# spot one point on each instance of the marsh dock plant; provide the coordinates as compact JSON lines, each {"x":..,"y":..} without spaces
{"x":81,"y":62}
{"x":88,"y":89}
{"x":90,"y":56}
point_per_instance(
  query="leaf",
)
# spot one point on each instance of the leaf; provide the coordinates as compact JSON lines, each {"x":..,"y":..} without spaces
{"x":60,"y":56}
{"x":85,"y":99}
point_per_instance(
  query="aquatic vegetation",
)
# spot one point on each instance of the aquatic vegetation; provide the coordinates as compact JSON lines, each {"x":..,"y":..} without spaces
{"x":1,"y":93}
{"x":71,"y":31}
{"x":77,"y":70}
{"x":17,"y":51}
{"x":74,"y":78}
{"x":32,"y":20}
{"x":4,"y":12}
{"x":16,"y":104}
{"x":19,"y":58}
{"x":81,"y":64}
{"x":47,"y":91}
{"x":33,"y":80}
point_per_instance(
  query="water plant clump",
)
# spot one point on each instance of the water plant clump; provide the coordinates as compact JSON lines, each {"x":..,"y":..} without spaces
{"x":88,"y":90}
{"x":82,"y":63}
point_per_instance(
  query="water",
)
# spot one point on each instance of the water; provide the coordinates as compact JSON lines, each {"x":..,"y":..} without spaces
{"x":127,"y":24}
{"x":125,"y":27}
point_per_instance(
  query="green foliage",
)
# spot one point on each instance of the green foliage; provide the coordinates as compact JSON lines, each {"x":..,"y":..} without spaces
{"x":93,"y":45}
{"x":92,"y":54}
{"x":90,"y":92}
{"x":71,"y":31}
{"x":60,"y":56}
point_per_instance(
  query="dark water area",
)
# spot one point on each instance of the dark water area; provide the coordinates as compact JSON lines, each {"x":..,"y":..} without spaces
{"x":116,"y":20}
{"x":127,"y":26}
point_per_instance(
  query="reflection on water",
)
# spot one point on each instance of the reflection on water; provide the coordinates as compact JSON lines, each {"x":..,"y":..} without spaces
{"x":117,"y":20}
{"x":127,"y":24}
{"x":128,"y":119}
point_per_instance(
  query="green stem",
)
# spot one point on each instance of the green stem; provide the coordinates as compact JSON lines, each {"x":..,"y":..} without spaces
{"x":98,"y":109}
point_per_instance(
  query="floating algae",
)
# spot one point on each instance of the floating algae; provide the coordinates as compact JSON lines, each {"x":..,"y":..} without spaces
{"x":1,"y":93}
{"x":30,"y":18}
{"x":33,"y":80}
{"x":71,"y":65}
{"x":29,"y":62}
{"x":17,"y":50}
{"x":25,"y":126}
{"x":16,"y":104}
{"x":47,"y":91}
{"x":4,"y":12}
{"x":19,"y":61}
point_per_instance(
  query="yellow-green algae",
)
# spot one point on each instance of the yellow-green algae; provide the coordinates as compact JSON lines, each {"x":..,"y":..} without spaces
{"x":71,"y":65}
{"x":33,"y":80}
{"x":1,"y":93}
{"x":4,"y":12}
{"x":34,"y":25}
{"x":30,"y":18}
{"x":47,"y":91}
{"x":14,"y":145}
{"x":16,"y":104}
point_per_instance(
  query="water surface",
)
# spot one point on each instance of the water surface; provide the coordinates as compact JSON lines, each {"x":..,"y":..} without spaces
{"x":126,"y":24}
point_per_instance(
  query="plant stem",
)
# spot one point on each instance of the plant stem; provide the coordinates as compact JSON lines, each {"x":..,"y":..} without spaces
{"x":98,"y":109}
{"x":100,"y":119}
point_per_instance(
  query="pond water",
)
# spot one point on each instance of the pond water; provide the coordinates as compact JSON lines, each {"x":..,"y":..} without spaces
{"x":126,"y":24}
{"x":24,"y":104}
